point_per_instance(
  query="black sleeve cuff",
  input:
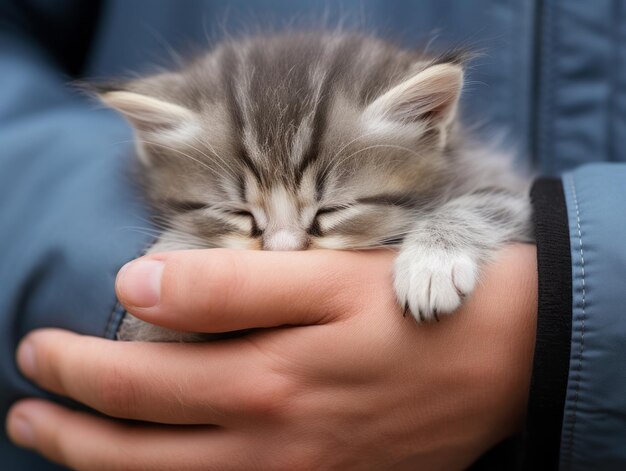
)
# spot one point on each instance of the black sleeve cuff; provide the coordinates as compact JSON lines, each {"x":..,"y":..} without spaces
{"x":542,"y":435}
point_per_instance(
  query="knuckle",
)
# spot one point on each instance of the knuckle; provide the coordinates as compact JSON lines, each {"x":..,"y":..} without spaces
{"x":271,"y":398}
{"x":53,"y":365}
{"x":114,"y":393}
{"x":347,"y":278}
{"x":202,"y":282}
{"x":61,"y":365}
{"x":222,"y":275}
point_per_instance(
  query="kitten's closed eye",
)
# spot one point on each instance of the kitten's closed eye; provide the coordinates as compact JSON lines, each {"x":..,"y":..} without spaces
{"x":240,"y":212}
{"x":315,"y":229}
{"x":329,"y":210}
{"x":255,"y":231}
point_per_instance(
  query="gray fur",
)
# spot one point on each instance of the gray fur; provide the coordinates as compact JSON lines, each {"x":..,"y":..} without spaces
{"x":329,"y":140}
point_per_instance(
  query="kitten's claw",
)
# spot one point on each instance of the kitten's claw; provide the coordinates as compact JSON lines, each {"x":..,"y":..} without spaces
{"x":433,"y":282}
{"x":419,"y":315}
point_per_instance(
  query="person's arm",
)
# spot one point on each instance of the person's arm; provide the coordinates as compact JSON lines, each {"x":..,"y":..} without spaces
{"x":345,"y":382}
{"x":69,"y":217}
{"x":577,"y":404}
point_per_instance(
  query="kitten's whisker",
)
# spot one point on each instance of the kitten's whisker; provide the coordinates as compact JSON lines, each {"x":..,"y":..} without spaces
{"x":169,"y":235}
{"x":151,"y":222}
{"x":149,"y":234}
{"x":144,"y":229}
{"x":208,"y":167}
{"x":361,"y":136}
{"x":203,"y":153}
{"x":158,"y":144}
{"x":376,"y":146}
{"x":344,"y":147}
{"x":227,"y":167}
{"x":229,"y":170}
{"x":181,"y":237}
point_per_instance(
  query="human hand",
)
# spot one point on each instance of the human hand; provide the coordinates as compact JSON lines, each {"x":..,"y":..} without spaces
{"x":350,"y":384}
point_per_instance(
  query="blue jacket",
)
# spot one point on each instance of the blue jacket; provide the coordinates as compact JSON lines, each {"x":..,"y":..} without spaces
{"x":552,"y":76}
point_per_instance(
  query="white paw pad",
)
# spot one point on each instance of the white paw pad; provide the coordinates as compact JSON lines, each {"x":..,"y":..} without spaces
{"x":430,"y":282}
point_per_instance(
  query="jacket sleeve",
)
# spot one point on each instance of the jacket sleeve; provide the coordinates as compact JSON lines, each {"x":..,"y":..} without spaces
{"x":69,"y":215}
{"x":577,"y":406}
{"x":594,"y":422}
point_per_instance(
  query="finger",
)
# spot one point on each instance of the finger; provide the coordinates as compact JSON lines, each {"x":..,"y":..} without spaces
{"x":214,"y":383}
{"x":221,"y":290}
{"x":84,"y":442}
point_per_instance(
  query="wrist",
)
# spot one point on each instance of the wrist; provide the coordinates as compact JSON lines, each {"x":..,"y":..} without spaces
{"x":503,"y":317}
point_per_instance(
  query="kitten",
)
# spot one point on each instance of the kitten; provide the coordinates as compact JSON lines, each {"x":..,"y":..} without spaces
{"x":338,"y":141}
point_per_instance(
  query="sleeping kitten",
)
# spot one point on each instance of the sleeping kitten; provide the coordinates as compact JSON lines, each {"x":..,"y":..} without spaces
{"x":337,"y":141}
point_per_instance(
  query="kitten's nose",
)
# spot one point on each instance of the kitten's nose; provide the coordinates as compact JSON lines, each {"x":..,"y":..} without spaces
{"x":284,"y":239}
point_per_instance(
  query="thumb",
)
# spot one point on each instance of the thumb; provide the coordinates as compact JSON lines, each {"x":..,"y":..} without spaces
{"x":219,"y":290}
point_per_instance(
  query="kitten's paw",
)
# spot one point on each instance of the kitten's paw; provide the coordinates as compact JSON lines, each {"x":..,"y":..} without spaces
{"x":430,"y":282}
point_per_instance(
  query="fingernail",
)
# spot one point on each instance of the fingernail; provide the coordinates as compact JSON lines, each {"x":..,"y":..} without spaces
{"x":26,"y":359}
{"x":21,"y":431}
{"x":139,"y":283}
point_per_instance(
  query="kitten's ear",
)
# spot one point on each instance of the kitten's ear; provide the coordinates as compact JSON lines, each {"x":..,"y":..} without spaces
{"x":148,"y":114}
{"x":430,"y":95}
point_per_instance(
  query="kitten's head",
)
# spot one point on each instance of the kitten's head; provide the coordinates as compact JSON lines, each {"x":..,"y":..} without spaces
{"x":295,"y":141}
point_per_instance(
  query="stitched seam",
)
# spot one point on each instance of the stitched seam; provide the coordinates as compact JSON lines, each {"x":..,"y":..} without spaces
{"x":114,"y":320}
{"x":579,"y":366}
{"x":118,"y":312}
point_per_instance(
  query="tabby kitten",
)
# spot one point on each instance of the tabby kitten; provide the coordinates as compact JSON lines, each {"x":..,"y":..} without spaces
{"x":337,"y":141}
